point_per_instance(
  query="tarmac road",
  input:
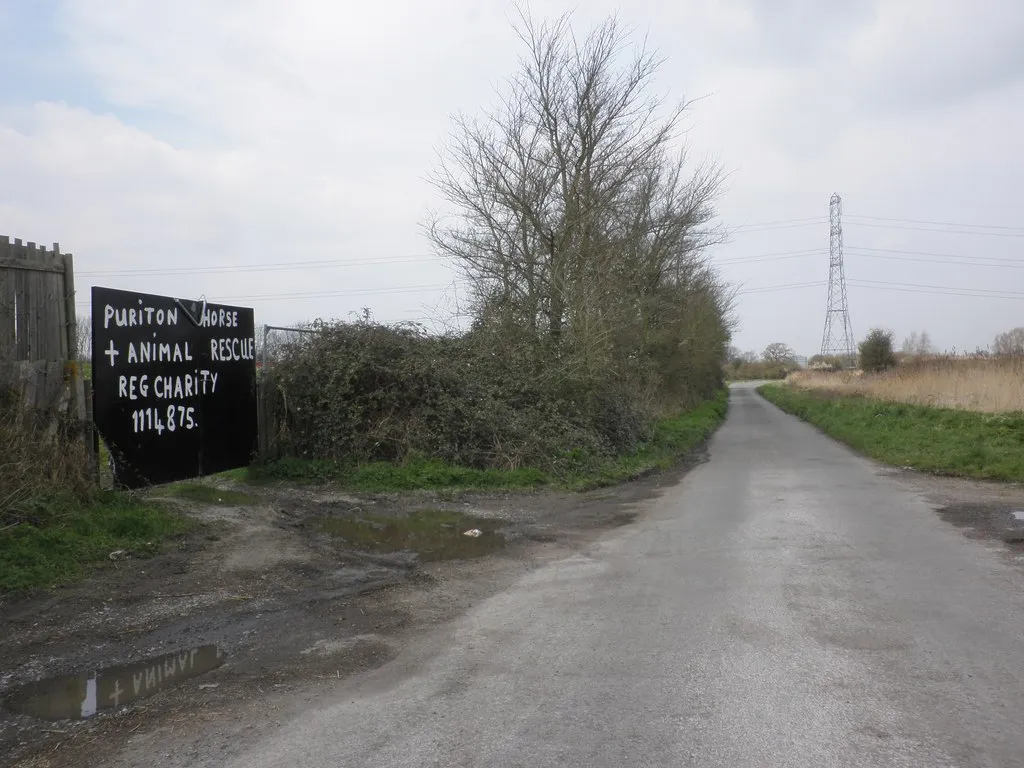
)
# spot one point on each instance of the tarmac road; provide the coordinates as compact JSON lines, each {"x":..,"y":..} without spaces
{"x":787,"y":604}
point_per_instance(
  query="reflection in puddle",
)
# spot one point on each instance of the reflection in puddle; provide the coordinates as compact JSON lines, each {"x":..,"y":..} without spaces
{"x":75,"y":697}
{"x":432,"y":533}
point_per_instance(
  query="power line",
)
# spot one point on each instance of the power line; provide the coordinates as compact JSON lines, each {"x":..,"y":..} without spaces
{"x":941,"y":255}
{"x":322,"y":294}
{"x":856,"y":284}
{"x":788,"y":287}
{"x":941,"y":231}
{"x":771,"y":256}
{"x":1012,"y":265}
{"x":268,"y":267}
{"x":811,"y":220}
{"x":328,"y":294}
{"x":333,"y":263}
{"x":966,"y":291}
{"x":937,"y":223}
{"x":751,"y":228}
{"x":888,"y":286}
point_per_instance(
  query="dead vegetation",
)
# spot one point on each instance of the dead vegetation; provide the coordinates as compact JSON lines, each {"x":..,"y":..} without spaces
{"x":994,"y":385}
{"x":39,"y":454}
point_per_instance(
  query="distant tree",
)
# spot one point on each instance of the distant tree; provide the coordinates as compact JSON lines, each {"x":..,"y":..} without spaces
{"x":735,"y":358}
{"x":1009,"y":343}
{"x":778,"y":354}
{"x":876,"y":351}
{"x":918,"y":344}
{"x":83,"y":338}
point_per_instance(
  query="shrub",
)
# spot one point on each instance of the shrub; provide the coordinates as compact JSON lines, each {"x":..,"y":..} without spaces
{"x":364,"y":392}
{"x":876,"y":351}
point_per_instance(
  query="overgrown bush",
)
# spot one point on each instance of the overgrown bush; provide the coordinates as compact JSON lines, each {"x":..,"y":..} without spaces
{"x":369,"y":392}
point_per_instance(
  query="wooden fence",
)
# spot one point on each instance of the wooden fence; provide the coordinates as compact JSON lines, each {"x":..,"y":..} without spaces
{"x":38,"y":337}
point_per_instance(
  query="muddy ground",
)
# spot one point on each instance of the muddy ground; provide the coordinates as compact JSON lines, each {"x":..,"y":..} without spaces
{"x":992,"y":513}
{"x":301,"y":587}
{"x":292,"y":596}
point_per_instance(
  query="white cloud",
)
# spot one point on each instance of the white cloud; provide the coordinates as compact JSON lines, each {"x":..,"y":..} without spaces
{"x":258,"y":132}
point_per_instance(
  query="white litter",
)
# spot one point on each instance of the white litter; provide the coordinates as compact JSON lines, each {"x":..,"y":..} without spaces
{"x":474,"y":532}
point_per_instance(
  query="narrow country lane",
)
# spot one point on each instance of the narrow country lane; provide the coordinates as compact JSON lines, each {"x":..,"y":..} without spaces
{"x":786,"y":604}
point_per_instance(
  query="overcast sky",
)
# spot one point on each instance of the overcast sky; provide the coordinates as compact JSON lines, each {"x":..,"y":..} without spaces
{"x":166,"y":144}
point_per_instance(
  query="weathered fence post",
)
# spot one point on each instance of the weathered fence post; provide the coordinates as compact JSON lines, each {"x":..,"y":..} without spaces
{"x":38,"y":335}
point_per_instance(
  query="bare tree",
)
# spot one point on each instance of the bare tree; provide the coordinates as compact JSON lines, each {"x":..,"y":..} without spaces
{"x":918,"y":344}
{"x":83,"y":338}
{"x":577,"y":223}
{"x":778,"y":353}
{"x":1009,"y":343}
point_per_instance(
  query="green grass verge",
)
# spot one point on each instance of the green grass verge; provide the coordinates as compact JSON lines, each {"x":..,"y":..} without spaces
{"x":59,"y":538}
{"x":937,"y":440}
{"x":380,"y":477}
{"x":672,"y":439}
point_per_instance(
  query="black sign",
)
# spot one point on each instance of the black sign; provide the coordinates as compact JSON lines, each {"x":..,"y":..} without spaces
{"x":174,"y":385}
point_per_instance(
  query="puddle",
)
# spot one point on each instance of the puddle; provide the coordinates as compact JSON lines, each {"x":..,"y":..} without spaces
{"x":206,"y":494}
{"x":433,"y":534}
{"x":76,"y":697}
{"x":1018,"y":516}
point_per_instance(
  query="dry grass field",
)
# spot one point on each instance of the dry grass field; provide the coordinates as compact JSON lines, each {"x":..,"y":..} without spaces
{"x":994,"y":385}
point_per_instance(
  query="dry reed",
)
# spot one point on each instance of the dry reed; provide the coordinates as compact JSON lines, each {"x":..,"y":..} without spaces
{"x":993,"y":385}
{"x":39,"y":454}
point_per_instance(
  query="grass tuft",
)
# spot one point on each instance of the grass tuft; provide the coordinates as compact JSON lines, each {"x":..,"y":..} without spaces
{"x":60,"y":537}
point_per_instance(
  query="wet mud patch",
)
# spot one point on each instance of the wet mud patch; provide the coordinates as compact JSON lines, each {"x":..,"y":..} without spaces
{"x":623,"y":518}
{"x":432,"y":534}
{"x":204,"y":493}
{"x":988,"y":521}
